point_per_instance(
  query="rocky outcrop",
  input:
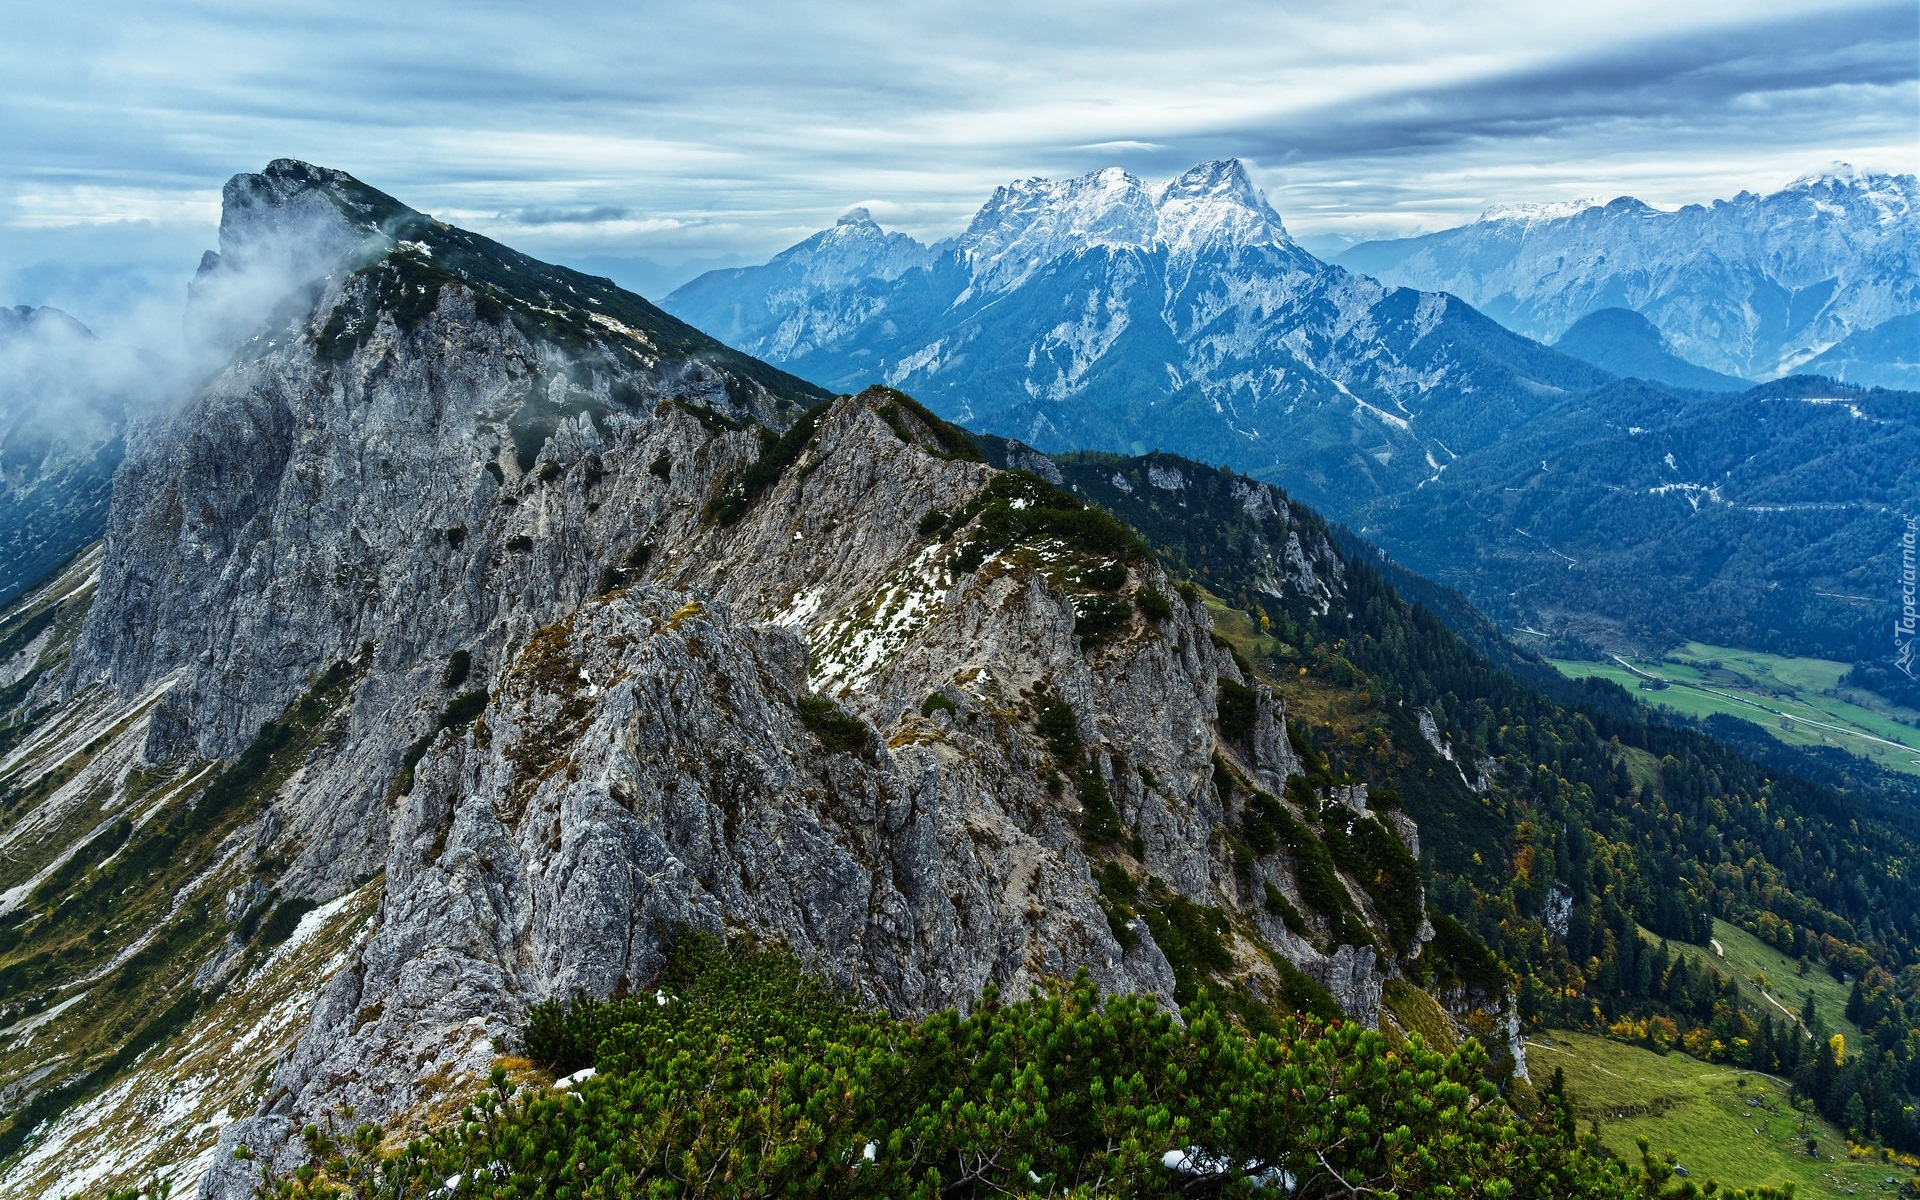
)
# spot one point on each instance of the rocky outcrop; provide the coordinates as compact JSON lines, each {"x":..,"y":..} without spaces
{"x":589,"y":701}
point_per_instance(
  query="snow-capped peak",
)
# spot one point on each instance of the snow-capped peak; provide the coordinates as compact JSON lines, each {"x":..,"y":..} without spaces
{"x":1533,"y":214}
{"x":1224,"y":179}
{"x":854,"y":248}
{"x":1836,"y":174}
{"x":1031,"y":222}
{"x":1216,"y":204}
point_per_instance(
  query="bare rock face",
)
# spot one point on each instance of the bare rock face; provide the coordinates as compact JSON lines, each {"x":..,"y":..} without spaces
{"x":588,"y":702}
{"x":642,"y":762}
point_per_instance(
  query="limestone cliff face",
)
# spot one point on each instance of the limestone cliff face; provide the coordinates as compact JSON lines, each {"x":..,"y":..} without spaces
{"x":586,"y":701}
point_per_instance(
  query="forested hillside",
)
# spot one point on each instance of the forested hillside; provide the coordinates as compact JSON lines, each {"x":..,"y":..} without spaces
{"x":1573,"y":831}
{"x":1634,"y":517}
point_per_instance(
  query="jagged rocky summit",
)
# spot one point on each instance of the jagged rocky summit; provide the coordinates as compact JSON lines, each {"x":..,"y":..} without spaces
{"x":480,"y":621}
{"x":1105,"y":311}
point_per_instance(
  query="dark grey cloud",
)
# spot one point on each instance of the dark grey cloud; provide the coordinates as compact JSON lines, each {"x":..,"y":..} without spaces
{"x":1714,"y":82}
{"x":671,"y":132}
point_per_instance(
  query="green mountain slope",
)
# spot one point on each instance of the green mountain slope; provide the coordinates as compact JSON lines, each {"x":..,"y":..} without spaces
{"x":1564,"y":816}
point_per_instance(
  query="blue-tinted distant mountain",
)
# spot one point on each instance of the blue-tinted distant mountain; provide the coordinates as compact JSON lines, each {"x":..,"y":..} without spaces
{"x":1888,"y":355}
{"x":1624,"y":342}
{"x":1111,"y":313}
{"x":1635,"y":516}
{"x":1755,"y":286}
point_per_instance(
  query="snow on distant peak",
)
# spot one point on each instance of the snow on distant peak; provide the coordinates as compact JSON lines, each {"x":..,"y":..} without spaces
{"x":855,"y":248}
{"x":1225,"y":179}
{"x":1031,"y":222}
{"x":1840,"y":174}
{"x":1216,"y":204}
{"x":1534,"y":214}
{"x":1891,"y":199}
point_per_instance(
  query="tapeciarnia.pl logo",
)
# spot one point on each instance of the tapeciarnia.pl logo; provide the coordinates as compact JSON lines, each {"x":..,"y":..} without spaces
{"x":1908,"y":624}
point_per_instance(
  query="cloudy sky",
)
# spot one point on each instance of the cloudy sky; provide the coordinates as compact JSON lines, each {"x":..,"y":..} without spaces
{"x":692,"y":134}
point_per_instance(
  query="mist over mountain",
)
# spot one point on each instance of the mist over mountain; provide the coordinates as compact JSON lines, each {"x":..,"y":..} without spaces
{"x":468,"y":575}
{"x":65,"y":400}
{"x":1755,"y":286}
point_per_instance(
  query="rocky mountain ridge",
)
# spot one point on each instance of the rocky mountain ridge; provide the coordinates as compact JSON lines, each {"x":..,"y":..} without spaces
{"x":1108,"y":312}
{"x":478,"y":622}
{"x":1753,"y":286}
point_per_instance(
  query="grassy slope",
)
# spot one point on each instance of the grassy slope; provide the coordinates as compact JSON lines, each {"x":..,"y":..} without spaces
{"x":1700,"y":1111}
{"x":1742,"y":955}
{"x":1770,"y":690}
{"x":216,"y":1068}
{"x":97,"y":957}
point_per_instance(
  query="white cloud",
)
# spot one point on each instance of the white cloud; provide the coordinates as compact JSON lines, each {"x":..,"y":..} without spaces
{"x":732,"y":128}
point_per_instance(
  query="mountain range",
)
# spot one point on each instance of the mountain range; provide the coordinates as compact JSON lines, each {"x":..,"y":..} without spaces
{"x":478,"y":630}
{"x":1754,"y":286}
{"x":1104,"y":312}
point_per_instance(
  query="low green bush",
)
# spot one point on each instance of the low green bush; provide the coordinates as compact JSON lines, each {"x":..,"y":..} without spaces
{"x":746,"y":1077}
{"x":1097,"y":618}
{"x":837,"y":731}
{"x":1015,"y":507}
{"x":459,"y":664}
{"x":630,"y":568}
{"x":1239,"y":709}
{"x":460,"y":712}
{"x":738,"y":493}
{"x":283,"y":920}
